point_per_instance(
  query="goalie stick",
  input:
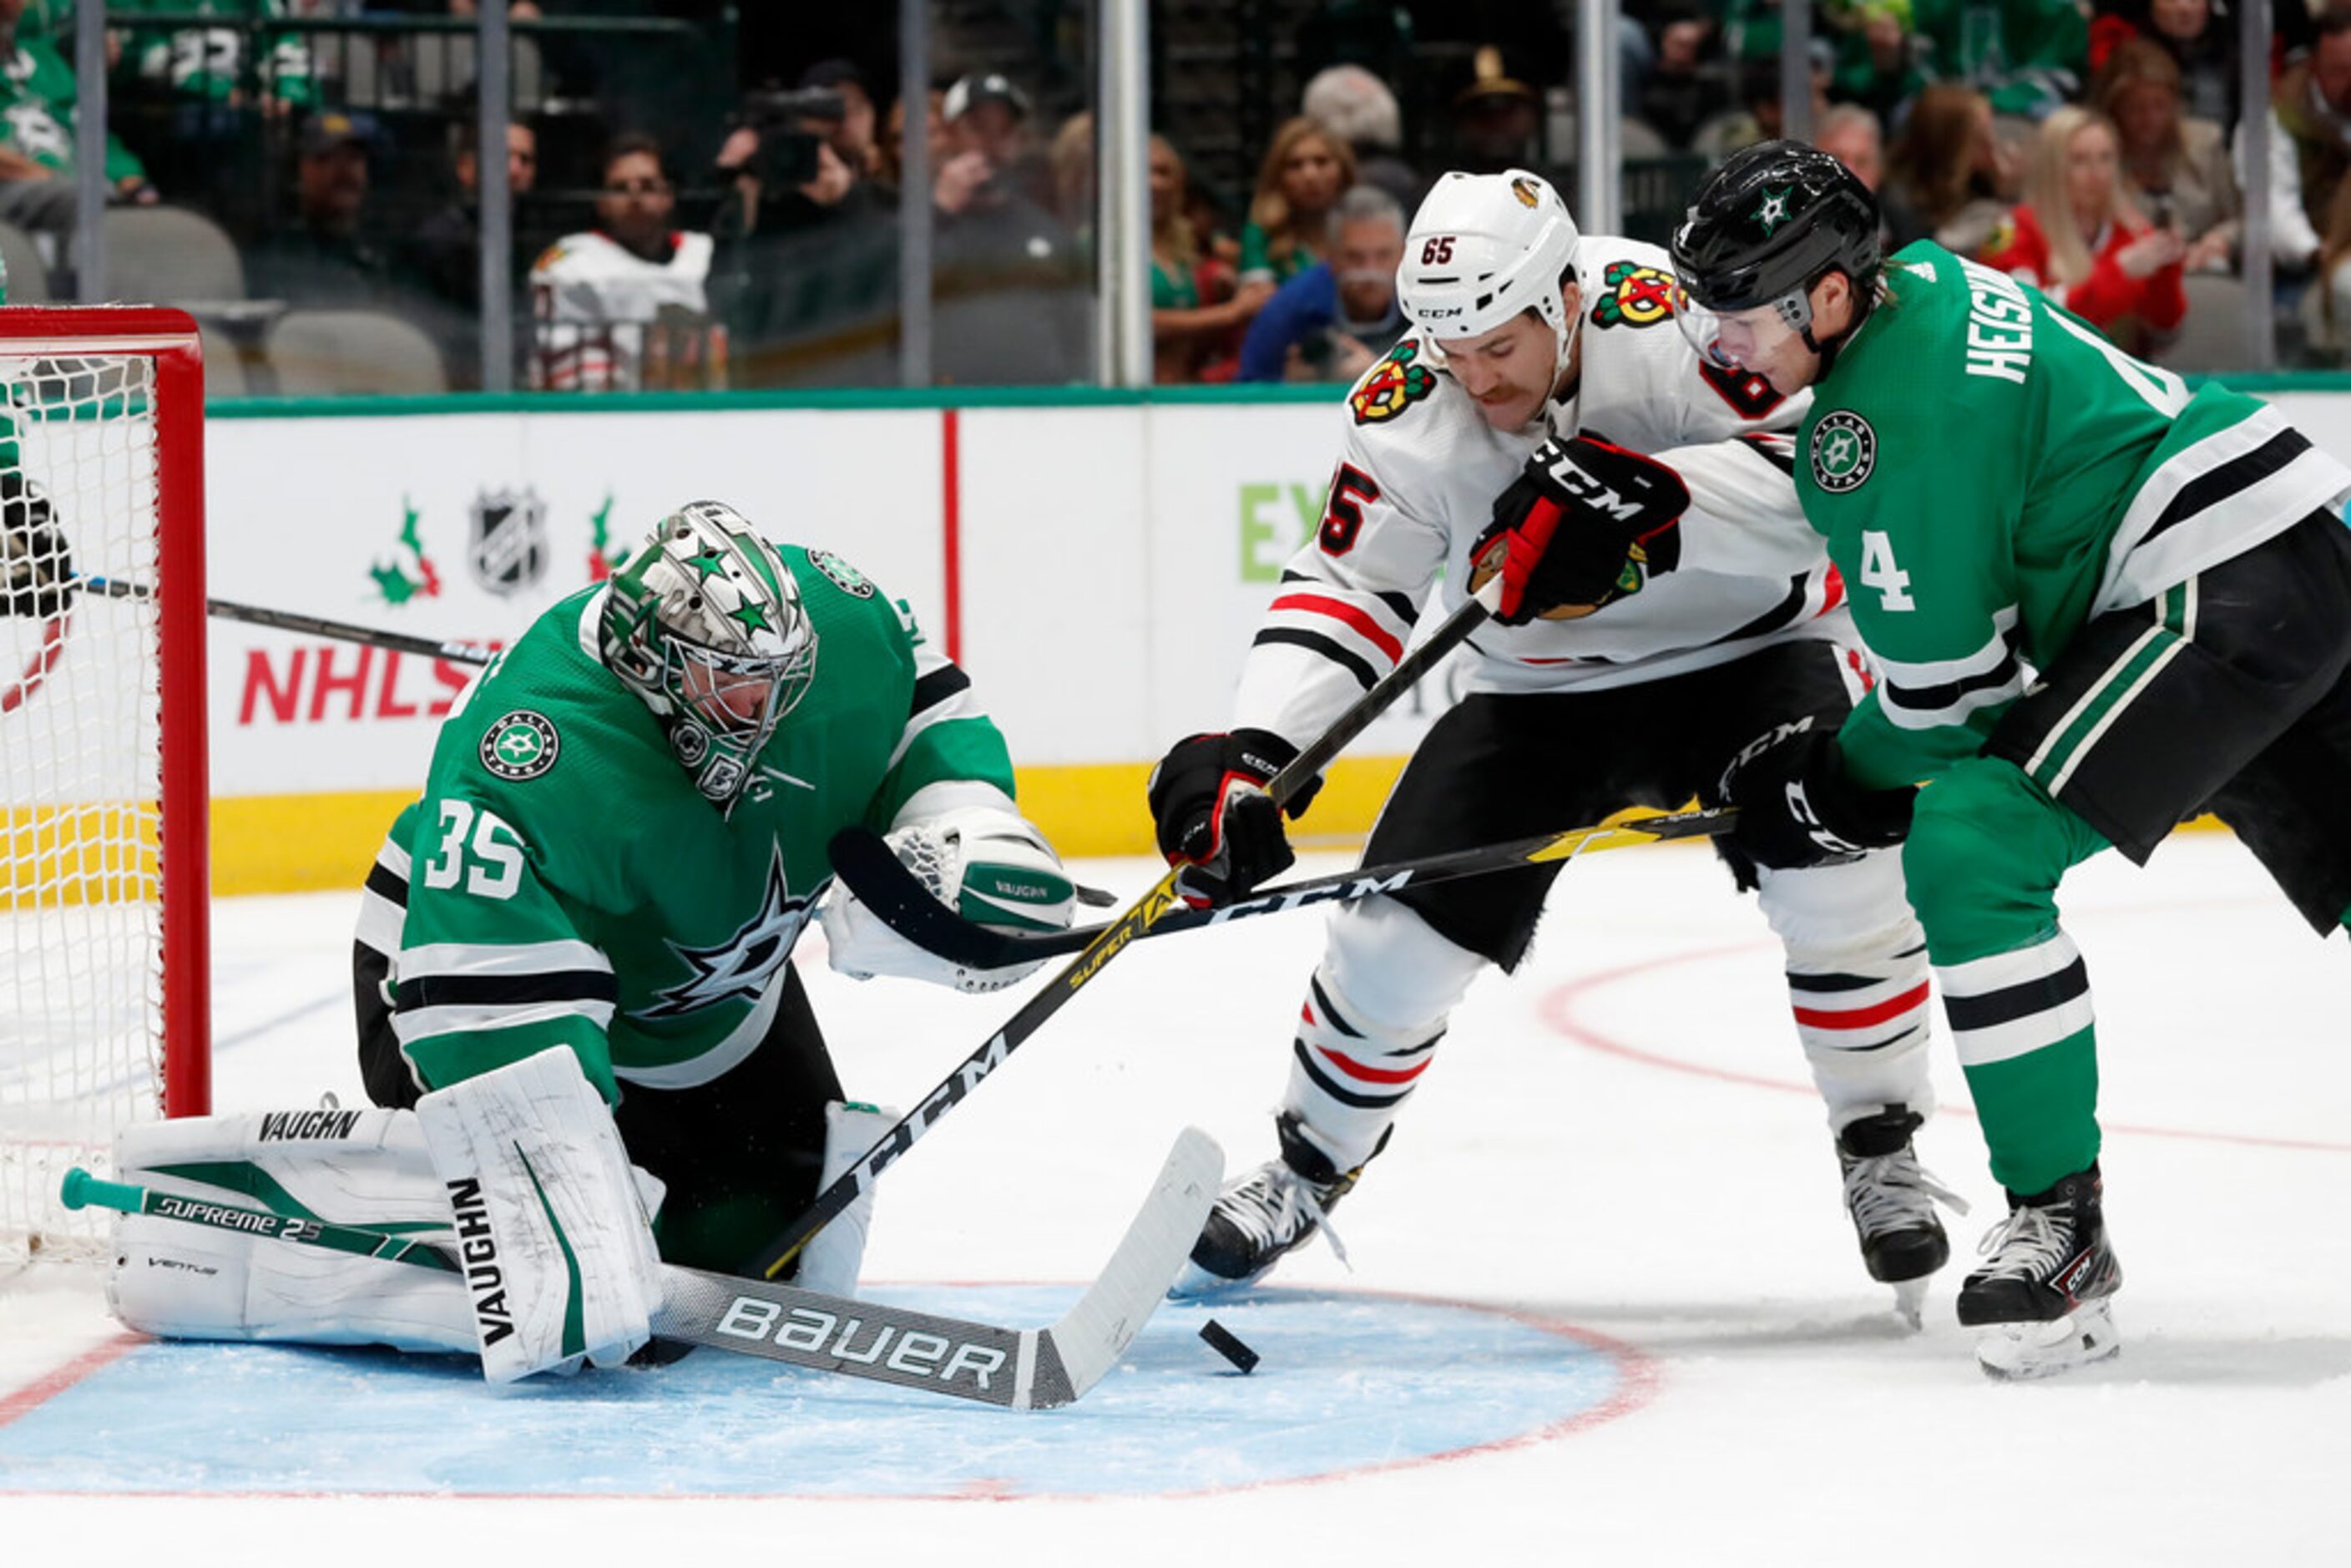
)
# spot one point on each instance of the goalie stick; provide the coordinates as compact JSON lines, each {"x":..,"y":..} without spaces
{"x":1138,"y":920}
{"x":1018,"y":1369}
{"x":883,"y":883}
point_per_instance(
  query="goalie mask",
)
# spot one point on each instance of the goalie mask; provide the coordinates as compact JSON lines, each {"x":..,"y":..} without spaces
{"x":706,"y":624}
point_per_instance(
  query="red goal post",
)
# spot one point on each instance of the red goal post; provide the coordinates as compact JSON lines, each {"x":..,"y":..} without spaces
{"x":105,"y":997}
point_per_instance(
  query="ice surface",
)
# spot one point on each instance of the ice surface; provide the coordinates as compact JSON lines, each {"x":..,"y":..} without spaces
{"x":1645,"y":1323}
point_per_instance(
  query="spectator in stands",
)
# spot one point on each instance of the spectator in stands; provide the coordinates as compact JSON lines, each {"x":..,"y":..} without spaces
{"x":205,"y":69}
{"x":1950,"y":179}
{"x":1332,"y":321}
{"x":1305,"y":171}
{"x":328,"y":258}
{"x":1496,"y":120}
{"x":891,"y":155}
{"x":2204,"y":47}
{"x":1850,"y":134}
{"x":1072,"y":158}
{"x":802,"y":245}
{"x":1757,"y":117}
{"x":2313,"y":101}
{"x":442,"y":258}
{"x":38,"y":190}
{"x":1879,"y":61}
{"x":1012,"y":300}
{"x":2026,"y":55}
{"x":1684,"y":87}
{"x":2327,"y":306}
{"x":2176,"y":170}
{"x":1357,"y":107}
{"x":443,"y":254}
{"x":853,"y":135}
{"x":1196,"y":313}
{"x":2077,"y":237}
{"x":624,"y":306}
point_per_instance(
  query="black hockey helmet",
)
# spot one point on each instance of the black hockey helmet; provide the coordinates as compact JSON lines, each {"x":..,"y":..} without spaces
{"x":1774,"y":220}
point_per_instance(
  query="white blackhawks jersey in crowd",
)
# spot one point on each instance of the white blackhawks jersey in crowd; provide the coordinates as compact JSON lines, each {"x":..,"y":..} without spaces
{"x":593,"y":299}
{"x":1418,"y":471}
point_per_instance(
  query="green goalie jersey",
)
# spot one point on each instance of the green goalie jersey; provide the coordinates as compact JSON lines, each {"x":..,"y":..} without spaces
{"x":1990,"y":473}
{"x":566,"y":884}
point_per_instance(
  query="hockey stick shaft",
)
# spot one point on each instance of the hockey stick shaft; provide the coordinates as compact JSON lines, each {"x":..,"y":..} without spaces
{"x":1036,"y":1369}
{"x":1138,"y":920}
{"x":882,"y":882}
{"x":456,"y":652}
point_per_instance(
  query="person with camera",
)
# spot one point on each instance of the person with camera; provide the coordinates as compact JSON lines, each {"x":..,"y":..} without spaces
{"x":623,"y":307}
{"x":1012,"y":304}
{"x":804,"y":242}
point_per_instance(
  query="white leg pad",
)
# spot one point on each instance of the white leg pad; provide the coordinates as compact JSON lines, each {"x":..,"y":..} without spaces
{"x":830,"y":1263}
{"x":1374,"y":1011}
{"x":351,"y":1167}
{"x":558,"y":1251}
{"x":1858,"y":983}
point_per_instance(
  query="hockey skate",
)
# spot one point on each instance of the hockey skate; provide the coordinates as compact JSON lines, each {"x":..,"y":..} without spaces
{"x":2044,"y":1300}
{"x":1265,"y":1214}
{"x":1892,"y":1200}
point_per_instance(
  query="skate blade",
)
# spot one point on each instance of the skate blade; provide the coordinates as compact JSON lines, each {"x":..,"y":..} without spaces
{"x":1197,"y":1284}
{"x":1910,"y":1302}
{"x":2016,"y":1351}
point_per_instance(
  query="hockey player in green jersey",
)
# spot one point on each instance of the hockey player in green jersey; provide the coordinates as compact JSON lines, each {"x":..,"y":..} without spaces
{"x":573,"y":954}
{"x":2099,"y":603}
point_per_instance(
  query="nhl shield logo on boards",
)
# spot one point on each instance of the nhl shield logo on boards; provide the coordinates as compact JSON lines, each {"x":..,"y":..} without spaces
{"x":520,"y":746}
{"x":1844,"y":450}
{"x":509,"y":541}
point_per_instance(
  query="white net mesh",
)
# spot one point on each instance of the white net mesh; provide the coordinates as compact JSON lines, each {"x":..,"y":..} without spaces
{"x":81,"y":946}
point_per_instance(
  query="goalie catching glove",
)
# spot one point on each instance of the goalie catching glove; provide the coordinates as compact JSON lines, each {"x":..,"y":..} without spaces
{"x":1214,"y":818}
{"x":990,"y":865}
{"x":1797,"y":807}
{"x":1577,"y":529}
{"x":36,"y":572}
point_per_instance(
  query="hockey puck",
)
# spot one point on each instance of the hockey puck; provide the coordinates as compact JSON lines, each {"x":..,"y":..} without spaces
{"x":1222,"y":1340}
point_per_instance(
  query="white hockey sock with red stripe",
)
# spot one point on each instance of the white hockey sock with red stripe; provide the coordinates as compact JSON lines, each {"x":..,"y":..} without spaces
{"x":1374,"y":1011}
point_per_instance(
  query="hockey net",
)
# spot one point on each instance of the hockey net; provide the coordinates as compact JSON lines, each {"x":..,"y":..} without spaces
{"x":103,"y":899}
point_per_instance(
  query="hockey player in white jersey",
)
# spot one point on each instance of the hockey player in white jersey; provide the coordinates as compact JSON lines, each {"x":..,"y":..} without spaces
{"x":1480,"y":438}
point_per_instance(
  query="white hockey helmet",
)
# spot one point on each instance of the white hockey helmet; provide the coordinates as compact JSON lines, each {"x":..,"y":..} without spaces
{"x":705,"y":622}
{"x":1482,"y":248}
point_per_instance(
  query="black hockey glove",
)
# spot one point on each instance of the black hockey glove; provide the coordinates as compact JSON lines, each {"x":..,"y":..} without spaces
{"x":37,"y":572}
{"x":1797,"y":808}
{"x":1215,"y":819}
{"x":1576,"y":529}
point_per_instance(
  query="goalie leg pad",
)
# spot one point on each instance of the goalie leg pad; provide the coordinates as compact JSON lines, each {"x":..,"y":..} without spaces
{"x":355,"y":1168}
{"x":1858,"y":983}
{"x":1375,"y":1009}
{"x":560,"y":1255}
{"x":831,"y":1259}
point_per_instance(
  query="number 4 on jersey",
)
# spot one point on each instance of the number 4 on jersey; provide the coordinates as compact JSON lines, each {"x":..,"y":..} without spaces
{"x":1878,"y":571}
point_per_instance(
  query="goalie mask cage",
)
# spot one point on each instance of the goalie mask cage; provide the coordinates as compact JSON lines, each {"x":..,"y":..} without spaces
{"x":104,"y":964}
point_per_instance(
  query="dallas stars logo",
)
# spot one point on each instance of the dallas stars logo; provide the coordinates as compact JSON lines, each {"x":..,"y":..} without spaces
{"x":522,"y":745}
{"x":1844,"y":450}
{"x":1774,"y":212}
{"x":740,"y":966}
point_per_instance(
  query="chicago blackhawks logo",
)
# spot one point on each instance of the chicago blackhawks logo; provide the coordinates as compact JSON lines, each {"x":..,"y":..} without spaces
{"x":1844,"y":450}
{"x":520,"y":746}
{"x":1634,"y":296}
{"x":1395,"y":384}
